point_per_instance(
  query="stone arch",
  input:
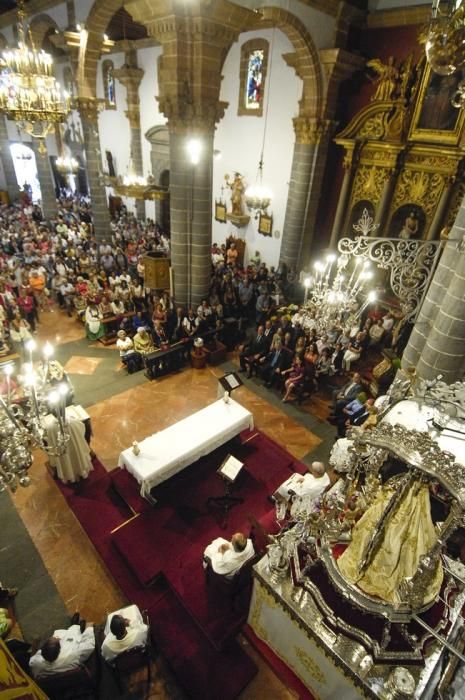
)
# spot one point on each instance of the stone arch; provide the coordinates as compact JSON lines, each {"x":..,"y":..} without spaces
{"x":91,"y":42}
{"x":305,"y":60}
{"x":40,"y":27}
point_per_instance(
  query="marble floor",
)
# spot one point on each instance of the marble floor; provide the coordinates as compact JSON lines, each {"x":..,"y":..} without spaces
{"x":83,"y":582}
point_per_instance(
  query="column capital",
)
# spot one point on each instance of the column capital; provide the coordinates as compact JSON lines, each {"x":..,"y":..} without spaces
{"x":88,"y":109}
{"x":309,"y":130}
{"x":188,"y":118}
{"x":129,"y":76}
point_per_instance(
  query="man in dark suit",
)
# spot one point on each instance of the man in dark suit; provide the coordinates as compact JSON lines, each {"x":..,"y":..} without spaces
{"x":253,"y":352}
{"x":273,"y":363}
{"x":347,"y":394}
{"x":268,"y":333}
{"x":159,"y":336}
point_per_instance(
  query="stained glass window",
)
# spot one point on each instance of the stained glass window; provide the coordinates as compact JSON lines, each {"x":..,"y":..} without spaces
{"x":253,"y":67}
{"x":109,"y":85}
{"x":253,"y":96}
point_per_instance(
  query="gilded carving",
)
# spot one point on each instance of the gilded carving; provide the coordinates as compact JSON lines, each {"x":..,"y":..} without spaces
{"x":310,"y":665}
{"x":374,"y":127}
{"x":454,"y":207}
{"x":369,"y":183}
{"x":418,"y":187}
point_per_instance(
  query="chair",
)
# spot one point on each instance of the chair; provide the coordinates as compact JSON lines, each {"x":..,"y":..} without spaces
{"x":234,"y":585}
{"x":132,"y":659}
{"x":306,"y":386}
{"x":80,"y":682}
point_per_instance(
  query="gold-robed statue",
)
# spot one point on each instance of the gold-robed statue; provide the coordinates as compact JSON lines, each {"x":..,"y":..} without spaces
{"x":386,"y":80}
{"x":389,"y":540}
{"x":237,"y":188}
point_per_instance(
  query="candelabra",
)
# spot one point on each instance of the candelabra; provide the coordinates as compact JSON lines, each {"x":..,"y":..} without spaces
{"x":29,"y":92}
{"x":21,"y":419}
{"x":331,"y":294}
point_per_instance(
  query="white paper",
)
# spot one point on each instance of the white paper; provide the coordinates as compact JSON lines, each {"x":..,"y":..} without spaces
{"x":232,"y":381}
{"x":76,"y":411}
{"x":231,"y":468}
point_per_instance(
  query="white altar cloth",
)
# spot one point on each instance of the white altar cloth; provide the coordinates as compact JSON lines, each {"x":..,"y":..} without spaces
{"x":164,"y":454}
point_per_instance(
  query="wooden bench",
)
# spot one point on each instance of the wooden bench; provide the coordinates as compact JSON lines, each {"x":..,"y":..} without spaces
{"x":110,"y":332}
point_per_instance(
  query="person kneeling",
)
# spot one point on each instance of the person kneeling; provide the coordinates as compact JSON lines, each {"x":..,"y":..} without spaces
{"x":124,"y":630}
{"x":227,"y":557}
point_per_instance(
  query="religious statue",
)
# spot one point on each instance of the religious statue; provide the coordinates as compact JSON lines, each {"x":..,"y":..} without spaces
{"x":410,"y":227}
{"x":390,"y":539}
{"x":237,"y":190}
{"x":386,"y":80}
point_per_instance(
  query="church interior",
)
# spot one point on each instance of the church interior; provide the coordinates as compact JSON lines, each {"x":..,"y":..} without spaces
{"x":232,"y":392}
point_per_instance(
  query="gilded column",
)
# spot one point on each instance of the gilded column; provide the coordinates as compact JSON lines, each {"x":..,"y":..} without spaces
{"x":441,"y":210}
{"x":44,"y":173}
{"x":7,"y":161}
{"x":100,"y":213}
{"x":383,"y":205}
{"x":343,"y":201}
{"x":130,"y":76}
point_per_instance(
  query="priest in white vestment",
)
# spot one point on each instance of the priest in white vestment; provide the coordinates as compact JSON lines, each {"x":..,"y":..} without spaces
{"x":228,"y":557}
{"x":75,"y":463}
{"x":310,"y":485}
{"x":124,"y":629}
{"x":65,"y":651}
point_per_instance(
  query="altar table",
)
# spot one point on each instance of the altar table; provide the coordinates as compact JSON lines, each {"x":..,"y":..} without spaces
{"x":164,"y":454}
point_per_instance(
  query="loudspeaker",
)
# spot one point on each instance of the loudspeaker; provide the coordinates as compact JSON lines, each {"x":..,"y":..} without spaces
{"x":157,"y":272}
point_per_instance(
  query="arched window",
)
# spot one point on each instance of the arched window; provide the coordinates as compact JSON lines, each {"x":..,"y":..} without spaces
{"x":68,"y":82}
{"x":254,"y":63}
{"x":109,"y":85}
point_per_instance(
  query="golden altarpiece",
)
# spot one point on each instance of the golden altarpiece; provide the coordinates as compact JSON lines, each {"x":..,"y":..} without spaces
{"x":404,"y":154}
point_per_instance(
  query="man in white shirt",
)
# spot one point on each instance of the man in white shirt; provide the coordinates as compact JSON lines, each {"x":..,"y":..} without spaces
{"x":65,"y":651}
{"x":304,"y":488}
{"x":124,"y":629}
{"x":228,"y":557}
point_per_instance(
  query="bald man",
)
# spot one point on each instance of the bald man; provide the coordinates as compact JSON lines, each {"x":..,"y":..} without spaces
{"x":309,"y":485}
{"x":228,"y":557}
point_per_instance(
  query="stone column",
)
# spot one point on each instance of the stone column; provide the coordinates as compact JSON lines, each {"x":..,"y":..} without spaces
{"x":44,"y":173}
{"x":195,"y":38}
{"x":443,"y":352}
{"x":344,"y":195}
{"x":100,"y":213}
{"x":130,"y":76}
{"x":303,"y":162}
{"x":435,"y":294}
{"x":441,"y":210}
{"x":7,"y":161}
{"x":384,"y":203}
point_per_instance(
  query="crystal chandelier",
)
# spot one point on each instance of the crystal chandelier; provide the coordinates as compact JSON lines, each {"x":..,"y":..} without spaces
{"x":67,"y":165}
{"x":22,"y":418}
{"x":133,"y":185}
{"x":29,"y":92}
{"x":258,"y":196}
{"x":331,"y":296}
{"x":445,"y":42}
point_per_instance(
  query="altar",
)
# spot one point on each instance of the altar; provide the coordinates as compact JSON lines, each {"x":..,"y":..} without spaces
{"x":362,"y":594}
{"x":164,"y":454}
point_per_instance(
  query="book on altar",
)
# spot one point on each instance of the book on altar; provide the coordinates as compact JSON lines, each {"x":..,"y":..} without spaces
{"x":230,"y":468}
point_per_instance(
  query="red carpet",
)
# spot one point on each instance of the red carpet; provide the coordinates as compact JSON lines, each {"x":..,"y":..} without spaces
{"x":169,"y":539}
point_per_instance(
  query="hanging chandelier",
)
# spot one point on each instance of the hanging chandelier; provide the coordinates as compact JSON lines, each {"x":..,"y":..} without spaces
{"x":445,"y":42}
{"x":258,"y":196}
{"x":136,"y":186}
{"x":333,"y":296}
{"x":67,"y":165}
{"x":23,"y":410}
{"x":29,"y":92}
